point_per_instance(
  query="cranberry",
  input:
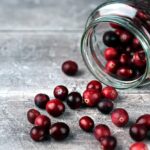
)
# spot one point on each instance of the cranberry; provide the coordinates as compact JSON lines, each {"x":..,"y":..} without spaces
{"x":108,"y":143}
{"x":110,"y":53}
{"x":42,"y":121}
{"x":124,"y":72}
{"x":74,"y":100}
{"x":101,"y":131}
{"x":109,"y":93}
{"x":61,"y":92}
{"x":110,"y":39}
{"x":142,"y":15}
{"x":118,"y":31}
{"x":38,"y":133}
{"x":41,"y":100}
{"x":128,"y":50}
{"x":120,"y":117}
{"x":115,"y":25}
{"x":105,"y":106}
{"x":55,"y":107}
{"x":125,"y":37}
{"x":91,"y":97}
{"x":70,"y":68}
{"x":138,"y":132}
{"x":32,"y":114}
{"x":111,"y":66}
{"x":124,"y":59}
{"x":138,"y":146}
{"x":94,"y":84}
{"x":139,"y":59}
{"x":59,"y":131}
{"x":144,"y":120}
{"x":136,"y":43}
{"x":86,"y":123}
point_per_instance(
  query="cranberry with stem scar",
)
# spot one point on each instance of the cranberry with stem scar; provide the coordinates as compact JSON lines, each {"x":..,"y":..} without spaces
{"x":125,"y":72}
{"x":111,"y":66}
{"x":95,"y":85}
{"x":110,"y":53}
{"x":32,"y":114}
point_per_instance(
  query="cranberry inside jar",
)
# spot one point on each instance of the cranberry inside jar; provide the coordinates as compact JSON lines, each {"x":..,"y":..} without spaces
{"x":116,"y":44}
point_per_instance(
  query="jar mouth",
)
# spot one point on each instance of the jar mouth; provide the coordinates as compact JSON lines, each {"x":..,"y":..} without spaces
{"x":88,"y":53}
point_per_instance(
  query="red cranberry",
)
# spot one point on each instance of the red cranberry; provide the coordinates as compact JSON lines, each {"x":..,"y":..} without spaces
{"x":138,"y":132}
{"x":61,"y":92}
{"x":125,"y":37}
{"x":124,"y":59}
{"x":55,"y":107}
{"x":144,"y":120}
{"x":91,"y":97}
{"x":101,"y":131}
{"x":124,"y":72}
{"x":41,"y":100}
{"x":139,"y":146}
{"x":42,"y":121}
{"x":105,"y":106}
{"x":59,"y":131}
{"x":70,"y":68}
{"x":118,"y":31}
{"x":120,"y":117}
{"x":110,"y":53}
{"x":111,"y":66}
{"x":115,"y":25}
{"x":86,"y":123}
{"x":136,"y":43}
{"x":139,"y":59}
{"x":94,"y":84}
{"x":38,"y":133}
{"x":111,"y":39}
{"x":142,"y":15}
{"x":74,"y":100}
{"x":32,"y":114}
{"x":109,"y":93}
{"x":108,"y":143}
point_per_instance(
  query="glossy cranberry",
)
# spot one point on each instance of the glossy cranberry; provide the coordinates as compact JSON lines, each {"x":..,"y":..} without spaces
{"x":42,"y":121}
{"x":139,"y":59}
{"x":115,"y":25}
{"x":74,"y":100}
{"x":91,"y":97}
{"x":108,"y":143}
{"x":124,"y":72}
{"x":138,"y":132}
{"x":136,"y":43}
{"x":38,"y":133}
{"x":142,"y":15}
{"x":125,"y":37}
{"x":124,"y":59}
{"x":120,"y":117}
{"x":55,"y":107}
{"x":101,"y":131}
{"x":118,"y":31}
{"x":60,"y":92}
{"x":94,"y":84}
{"x":110,"y":53}
{"x":70,"y":68}
{"x":86,"y":123}
{"x":109,"y":93}
{"x":105,"y":106}
{"x":59,"y":131}
{"x":41,"y":100}
{"x":32,"y":114}
{"x":111,"y":39}
{"x":111,"y":66}
{"x":138,"y":146}
{"x":144,"y":120}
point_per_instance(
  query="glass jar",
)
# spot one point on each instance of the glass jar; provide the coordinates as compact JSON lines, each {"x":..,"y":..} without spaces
{"x":116,"y":43}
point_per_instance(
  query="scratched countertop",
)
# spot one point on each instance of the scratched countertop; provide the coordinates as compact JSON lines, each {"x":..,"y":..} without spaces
{"x":36,"y":37}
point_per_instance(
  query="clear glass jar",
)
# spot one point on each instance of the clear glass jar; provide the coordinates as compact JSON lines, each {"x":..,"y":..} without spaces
{"x":120,"y":17}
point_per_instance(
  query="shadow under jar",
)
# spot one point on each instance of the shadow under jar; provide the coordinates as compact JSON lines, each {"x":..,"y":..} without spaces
{"x":116,"y":43}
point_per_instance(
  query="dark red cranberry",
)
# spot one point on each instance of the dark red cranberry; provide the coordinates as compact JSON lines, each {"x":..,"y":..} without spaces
{"x":144,"y":120}
{"x":128,"y":50}
{"x":110,"y":53}
{"x":138,"y":132}
{"x":142,"y":15}
{"x":94,"y":84}
{"x":136,"y":43}
{"x":139,"y":59}
{"x":55,"y":107}
{"x":74,"y":100}
{"x":111,"y":66}
{"x":38,"y":133}
{"x":124,"y":72}
{"x":101,"y":131}
{"x":115,"y":25}
{"x":41,"y":100}
{"x":111,"y":39}
{"x":124,"y":59}
{"x":59,"y":131}
{"x":86,"y":123}
{"x":105,"y":106}
{"x":70,"y":68}
{"x":61,"y":92}
{"x":118,"y":31}
{"x":32,"y":114}
{"x":139,"y":146}
{"x":91,"y":97}
{"x":108,"y":143}
{"x":125,"y":37}
{"x":120,"y":117}
{"x":109,"y":93}
{"x":42,"y":121}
